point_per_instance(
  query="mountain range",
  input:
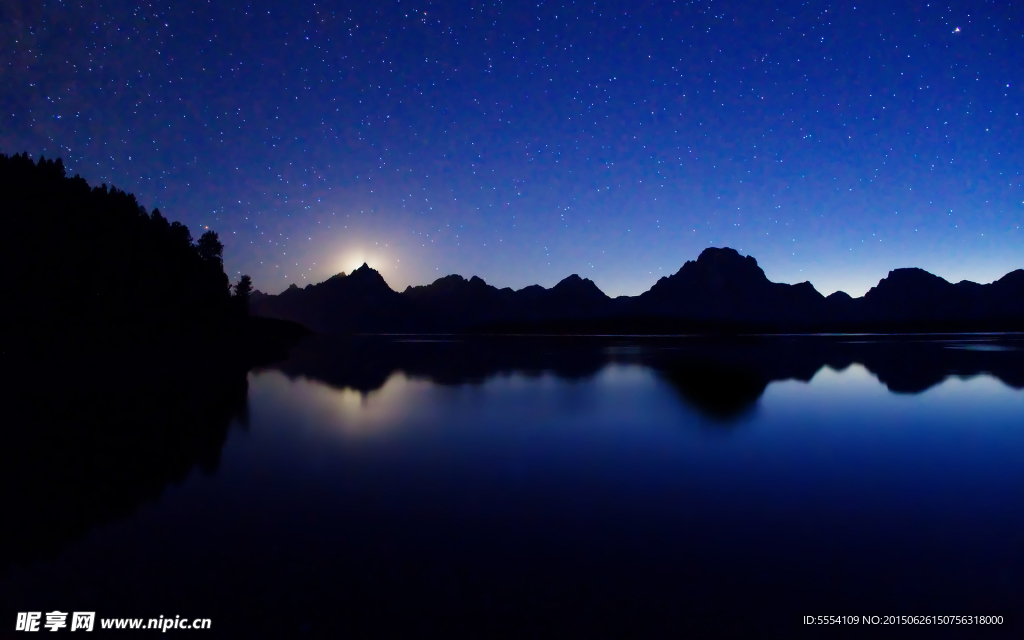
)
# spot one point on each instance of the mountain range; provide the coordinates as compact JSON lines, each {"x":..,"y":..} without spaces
{"x":720,"y":291}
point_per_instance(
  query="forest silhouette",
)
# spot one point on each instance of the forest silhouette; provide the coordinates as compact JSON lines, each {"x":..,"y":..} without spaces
{"x":126,"y":352}
{"x":89,"y":266}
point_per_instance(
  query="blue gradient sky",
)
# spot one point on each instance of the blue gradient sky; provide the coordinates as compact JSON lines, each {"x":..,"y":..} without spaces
{"x":522,"y":142}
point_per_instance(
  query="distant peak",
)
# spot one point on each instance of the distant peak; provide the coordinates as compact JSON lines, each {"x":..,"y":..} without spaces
{"x":575,"y":282}
{"x":724,"y":254}
{"x":911,"y":274}
{"x":716,"y":269}
{"x":909,"y":271}
{"x":579,"y":286}
{"x":454,"y":277}
{"x":364,"y":271}
{"x":533,"y":287}
{"x":366,"y":276}
{"x":724,"y":262}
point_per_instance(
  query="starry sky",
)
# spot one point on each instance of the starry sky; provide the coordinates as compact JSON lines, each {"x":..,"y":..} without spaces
{"x":525,"y":141}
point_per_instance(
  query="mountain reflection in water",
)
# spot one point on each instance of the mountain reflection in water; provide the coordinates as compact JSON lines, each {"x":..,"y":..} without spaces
{"x":396,"y":486}
{"x":720,"y":378}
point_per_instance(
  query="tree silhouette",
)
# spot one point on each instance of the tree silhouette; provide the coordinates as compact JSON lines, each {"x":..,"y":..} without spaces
{"x":210,"y":247}
{"x":244,"y":288}
{"x":89,"y":263}
{"x":240,"y":300}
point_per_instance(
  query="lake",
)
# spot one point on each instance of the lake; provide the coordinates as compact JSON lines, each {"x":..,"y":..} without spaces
{"x":614,"y":486}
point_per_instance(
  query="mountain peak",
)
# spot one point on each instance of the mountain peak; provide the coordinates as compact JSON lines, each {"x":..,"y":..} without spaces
{"x":452,"y":279}
{"x":912,"y":272}
{"x":366,"y":272}
{"x":722,"y":253}
{"x":571,"y":282}
{"x":721,"y":284}
{"x":716,"y":268}
{"x":577,"y":286}
{"x":727,"y":259}
{"x":908,"y":280}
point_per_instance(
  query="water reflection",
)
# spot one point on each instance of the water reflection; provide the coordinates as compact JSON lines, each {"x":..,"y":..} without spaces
{"x":87,"y":442}
{"x":721,"y":393}
{"x":720,"y":379}
{"x":93,"y":440}
{"x":495,"y":487}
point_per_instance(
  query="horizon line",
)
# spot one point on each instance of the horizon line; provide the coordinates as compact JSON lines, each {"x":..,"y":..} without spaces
{"x":411,"y":286}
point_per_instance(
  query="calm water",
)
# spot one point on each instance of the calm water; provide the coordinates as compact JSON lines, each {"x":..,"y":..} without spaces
{"x":644,"y":487}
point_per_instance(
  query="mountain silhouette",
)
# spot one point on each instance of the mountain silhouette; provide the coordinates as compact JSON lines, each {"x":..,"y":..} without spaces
{"x":914,"y":297}
{"x":576,"y":294}
{"x":363,"y":302}
{"x":358,"y":302}
{"x":455,"y":303}
{"x":722,"y":285}
{"x":721,"y":290}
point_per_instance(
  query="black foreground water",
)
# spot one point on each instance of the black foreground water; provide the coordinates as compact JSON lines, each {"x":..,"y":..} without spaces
{"x":633,"y":487}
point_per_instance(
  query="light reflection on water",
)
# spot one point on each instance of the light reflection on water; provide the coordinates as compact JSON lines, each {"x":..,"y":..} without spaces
{"x":580,"y":493}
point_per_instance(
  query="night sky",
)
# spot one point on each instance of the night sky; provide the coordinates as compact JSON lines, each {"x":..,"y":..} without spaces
{"x":523,"y":142}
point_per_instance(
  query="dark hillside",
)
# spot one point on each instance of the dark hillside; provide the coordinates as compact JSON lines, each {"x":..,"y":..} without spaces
{"x":90,"y":264}
{"x":89,"y":269}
